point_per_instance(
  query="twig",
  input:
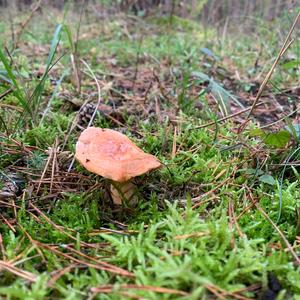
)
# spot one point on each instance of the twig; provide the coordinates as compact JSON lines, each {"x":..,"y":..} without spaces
{"x":110,"y":288}
{"x":60,"y":273}
{"x":137,"y":61}
{"x":281,"y":119}
{"x":100,"y":265}
{"x":215,"y":291}
{"x":284,"y":47}
{"x":226,"y":118}
{"x":21,"y":273}
{"x":233,"y":219}
{"x":52,"y":152}
{"x":290,"y":248}
{"x":174,"y":146}
{"x":5,"y":93}
{"x":2,"y":247}
{"x":198,"y":198}
{"x":223,"y":294}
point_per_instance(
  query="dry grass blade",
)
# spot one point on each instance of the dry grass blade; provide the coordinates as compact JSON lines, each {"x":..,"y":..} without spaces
{"x":110,"y":288}
{"x":61,"y":235}
{"x":51,"y":153}
{"x":290,"y":248}
{"x":74,"y":55}
{"x":98,"y":90}
{"x":57,"y":227}
{"x":227,"y":117}
{"x":198,"y":198}
{"x":233,"y":219}
{"x":5,"y":93}
{"x":59,"y":273}
{"x":284,"y":47}
{"x":7,"y":222}
{"x":96,"y":264}
{"x":191,"y":235}
{"x":54,"y":163}
{"x":215,"y":291}
{"x":16,"y":271}
{"x":281,"y":119}
{"x":261,"y":210}
{"x":2,"y":251}
{"x":96,"y":107}
{"x":104,"y":266}
{"x":174,"y":146}
{"x":12,"y":107}
{"x":222,"y":294}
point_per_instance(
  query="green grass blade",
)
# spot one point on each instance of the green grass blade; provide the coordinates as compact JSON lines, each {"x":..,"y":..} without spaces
{"x":281,"y":181}
{"x":3,"y":77}
{"x":37,"y":93}
{"x":54,"y":44}
{"x":17,"y":91}
{"x":68,"y":32}
{"x":58,"y":84}
{"x":222,"y":95}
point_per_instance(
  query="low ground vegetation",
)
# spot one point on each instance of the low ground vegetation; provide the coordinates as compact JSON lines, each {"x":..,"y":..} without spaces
{"x":220,"y":220}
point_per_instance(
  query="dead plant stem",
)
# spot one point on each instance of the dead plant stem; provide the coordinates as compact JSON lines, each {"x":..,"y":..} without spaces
{"x":284,"y":47}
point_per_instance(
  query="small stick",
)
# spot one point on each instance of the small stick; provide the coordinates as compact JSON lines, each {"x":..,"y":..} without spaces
{"x":198,"y":198}
{"x":226,"y":118}
{"x":174,"y":146}
{"x":283,"y":49}
{"x":31,"y":277}
{"x":5,"y":93}
{"x":279,"y":120}
{"x":2,"y":247}
{"x":137,"y":61}
{"x":288,"y":245}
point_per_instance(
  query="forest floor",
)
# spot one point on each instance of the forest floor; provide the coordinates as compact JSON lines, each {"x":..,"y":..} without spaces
{"x":219,"y":220}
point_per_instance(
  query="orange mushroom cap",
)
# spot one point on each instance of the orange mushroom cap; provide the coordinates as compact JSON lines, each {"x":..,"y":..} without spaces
{"x":112,"y":155}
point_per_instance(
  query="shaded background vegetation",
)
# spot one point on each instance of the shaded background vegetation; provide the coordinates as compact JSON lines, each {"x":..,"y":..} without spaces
{"x":214,"y":11}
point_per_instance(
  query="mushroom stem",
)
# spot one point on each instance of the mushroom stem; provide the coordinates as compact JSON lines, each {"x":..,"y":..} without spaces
{"x":123,"y":193}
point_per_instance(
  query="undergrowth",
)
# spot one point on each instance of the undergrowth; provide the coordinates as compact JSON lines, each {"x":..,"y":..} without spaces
{"x":199,"y":230}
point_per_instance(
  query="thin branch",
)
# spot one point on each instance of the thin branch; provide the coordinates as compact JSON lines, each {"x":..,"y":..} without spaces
{"x":288,"y":245}
{"x":283,"y":49}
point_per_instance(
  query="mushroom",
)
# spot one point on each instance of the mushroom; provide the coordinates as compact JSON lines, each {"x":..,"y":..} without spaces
{"x":113,"y":155}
